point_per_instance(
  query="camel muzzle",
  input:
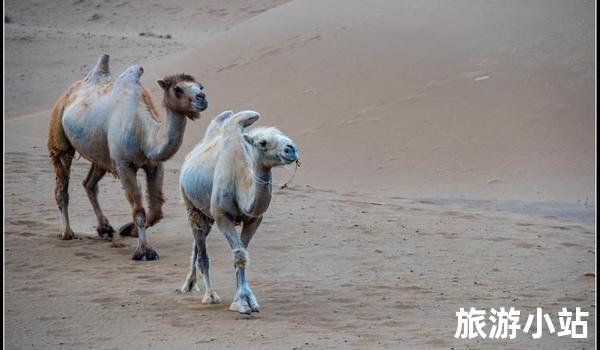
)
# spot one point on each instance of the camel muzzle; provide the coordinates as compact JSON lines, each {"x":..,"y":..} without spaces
{"x":200,"y":105}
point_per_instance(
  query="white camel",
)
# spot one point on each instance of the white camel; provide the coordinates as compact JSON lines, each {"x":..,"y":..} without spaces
{"x":227,"y":179}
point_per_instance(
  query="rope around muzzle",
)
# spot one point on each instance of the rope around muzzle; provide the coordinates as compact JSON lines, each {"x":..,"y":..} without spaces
{"x":286,"y":184}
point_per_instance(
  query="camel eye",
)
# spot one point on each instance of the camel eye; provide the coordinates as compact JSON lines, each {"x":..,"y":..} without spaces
{"x":263,"y":143}
{"x":178,"y":90}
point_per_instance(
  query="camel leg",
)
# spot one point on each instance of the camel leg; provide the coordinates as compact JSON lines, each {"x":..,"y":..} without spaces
{"x":127,"y":175}
{"x":244,"y":300}
{"x":129,"y":229}
{"x":201,"y":226}
{"x":62,"y":167}
{"x":154,"y":181}
{"x":91,"y":188}
{"x":249,"y":229}
{"x":191,"y":280}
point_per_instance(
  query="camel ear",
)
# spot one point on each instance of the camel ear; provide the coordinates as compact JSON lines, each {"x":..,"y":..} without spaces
{"x":246,"y":118}
{"x":163,"y":85}
{"x":248,"y":139}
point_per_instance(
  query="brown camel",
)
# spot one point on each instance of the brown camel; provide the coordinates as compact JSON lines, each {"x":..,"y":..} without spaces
{"x":115,"y":125}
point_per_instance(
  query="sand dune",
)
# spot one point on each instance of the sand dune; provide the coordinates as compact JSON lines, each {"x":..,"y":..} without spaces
{"x":448,"y":161}
{"x":405,"y":99}
{"x":50,"y":44}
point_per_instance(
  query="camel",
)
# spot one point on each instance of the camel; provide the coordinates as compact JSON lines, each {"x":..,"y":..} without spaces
{"x":114,"y":124}
{"x":226,"y":179}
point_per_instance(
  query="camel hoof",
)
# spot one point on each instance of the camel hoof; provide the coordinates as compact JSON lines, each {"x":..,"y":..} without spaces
{"x":236,"y":306}
{"x":144,"y":253}
{"x":105,"y":231}
{"x":189,"y":285}
{"x":128,"y":230}
{"x":244,"y":302}
{"x":242,"y":307}
{"x":211,"y":297}
{"x":67,"y":235}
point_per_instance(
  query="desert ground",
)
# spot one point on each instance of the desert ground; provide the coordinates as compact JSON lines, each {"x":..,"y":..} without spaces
{"x":448,"y":160}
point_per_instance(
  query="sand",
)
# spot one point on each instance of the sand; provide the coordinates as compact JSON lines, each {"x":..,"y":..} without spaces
{"x":448,"y":161}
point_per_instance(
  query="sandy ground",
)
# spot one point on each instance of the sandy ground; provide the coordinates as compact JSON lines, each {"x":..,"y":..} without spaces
{"x":448,"y":161}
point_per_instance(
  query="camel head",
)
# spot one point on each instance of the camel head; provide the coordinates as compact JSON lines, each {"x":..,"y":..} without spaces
{"x":183,"y":95}
{"x":271,"y":147}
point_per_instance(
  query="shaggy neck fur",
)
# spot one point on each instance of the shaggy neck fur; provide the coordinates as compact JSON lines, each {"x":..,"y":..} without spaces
{"x":255,"y":196}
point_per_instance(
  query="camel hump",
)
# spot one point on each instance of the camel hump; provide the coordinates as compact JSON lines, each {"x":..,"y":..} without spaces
{"x":131,"y":75}
{"x":216,"y":125}
{"x":129,"y":79}
{"x":101,"y":70}
{"x":221,"y":118}
{"x":241,"y":120}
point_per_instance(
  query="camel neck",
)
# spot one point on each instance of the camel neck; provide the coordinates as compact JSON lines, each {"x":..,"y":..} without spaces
{"x":261,"y":178}
{"x":167,"y":137}
{"x":259,"y":196}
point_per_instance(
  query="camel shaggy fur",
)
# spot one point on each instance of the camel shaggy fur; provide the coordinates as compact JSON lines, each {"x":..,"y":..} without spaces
{"x":115,"y":125}
{"x":226,"y":180}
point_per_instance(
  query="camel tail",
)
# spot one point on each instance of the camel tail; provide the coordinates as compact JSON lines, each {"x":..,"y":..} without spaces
{"x":101,"y":70}
{"x":182,"y":197}
{"x":58,"y":143}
